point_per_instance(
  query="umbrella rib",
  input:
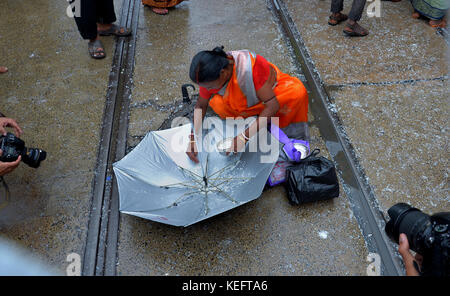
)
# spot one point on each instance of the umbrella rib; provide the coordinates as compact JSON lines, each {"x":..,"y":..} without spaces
{"x":223,"y":182}
{"x":206,"y":166}
{"x":173,"y":204}
{"x":194,"y":176}
{"x":230,"y":178}
{"x":224,"y":168}
{"x":174,"y":185}
{"x":206,"y":203}
{"x":221,"y":191}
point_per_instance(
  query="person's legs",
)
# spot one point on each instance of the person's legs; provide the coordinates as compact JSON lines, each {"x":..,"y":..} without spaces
{"x":86,"y":22}
{"x":106,"y":16}
{"x":105,"y":12}
{"x":337,"y":6}
{"x":357,"y":10}
{"x":353,"y":28}
{"x":87,"y":26}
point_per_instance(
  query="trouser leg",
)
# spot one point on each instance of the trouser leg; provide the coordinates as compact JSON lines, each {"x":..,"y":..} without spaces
{"x":86,"y":18}
{"x":105,"y":11}
{"x":337,"y":6}
{"x":357,"y":10}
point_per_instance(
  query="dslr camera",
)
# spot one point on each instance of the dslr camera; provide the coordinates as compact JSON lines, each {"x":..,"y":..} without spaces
{"x":427,"y":235}
{"x":12,"y":147}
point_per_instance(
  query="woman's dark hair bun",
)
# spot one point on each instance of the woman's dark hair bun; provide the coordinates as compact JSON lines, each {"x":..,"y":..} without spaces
{"x":219,"y":51}
{"x":206,"y":65}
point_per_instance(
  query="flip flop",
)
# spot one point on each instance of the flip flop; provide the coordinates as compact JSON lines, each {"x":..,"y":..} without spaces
{"x":115,"y":30}
{"x":96,"y":50}
{"x":441,"y":24}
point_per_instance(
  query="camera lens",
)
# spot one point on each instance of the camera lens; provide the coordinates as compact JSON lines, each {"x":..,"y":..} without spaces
{"x":410,"y":221}
{"x":33,"y":157}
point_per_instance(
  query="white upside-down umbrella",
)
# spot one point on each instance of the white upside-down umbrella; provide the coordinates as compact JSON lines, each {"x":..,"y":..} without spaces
{"x":157,"y":180}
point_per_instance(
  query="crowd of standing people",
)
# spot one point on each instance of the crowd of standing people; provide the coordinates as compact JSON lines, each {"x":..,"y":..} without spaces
{"x":434,"y":10}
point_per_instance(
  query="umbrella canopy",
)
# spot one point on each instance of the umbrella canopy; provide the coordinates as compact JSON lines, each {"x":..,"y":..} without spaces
{"x":158,"y":181}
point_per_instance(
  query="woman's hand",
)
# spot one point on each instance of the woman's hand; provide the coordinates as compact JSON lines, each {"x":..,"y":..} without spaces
{"x":192,"y":151}
{"x":238,"y":144}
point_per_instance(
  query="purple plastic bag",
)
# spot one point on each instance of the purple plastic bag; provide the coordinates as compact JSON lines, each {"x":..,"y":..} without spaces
{"x":278,"y":174}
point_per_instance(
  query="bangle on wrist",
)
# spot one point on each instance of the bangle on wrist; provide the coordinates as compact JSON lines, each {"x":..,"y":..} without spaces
{"x":245,"y":137}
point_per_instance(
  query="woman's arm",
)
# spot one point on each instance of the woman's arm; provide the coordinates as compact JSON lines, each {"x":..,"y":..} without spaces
{"x":199,"y":109}
{"x":267,"y":96}
{"x":271,"y":106}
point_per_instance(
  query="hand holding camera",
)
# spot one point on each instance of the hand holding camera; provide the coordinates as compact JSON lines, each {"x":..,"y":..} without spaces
{"x":13,"y":150}
{"x":9,"y":122}
{"x":8,"y":167}
{"x":412,"y":263}
{"x":424,"y":234}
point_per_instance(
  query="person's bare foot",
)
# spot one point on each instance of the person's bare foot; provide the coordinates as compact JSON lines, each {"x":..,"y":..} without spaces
{"x":3,"y":69}
{"x":415,"y":15}
{"x":336,"y":18}
{"x":161,"y":11}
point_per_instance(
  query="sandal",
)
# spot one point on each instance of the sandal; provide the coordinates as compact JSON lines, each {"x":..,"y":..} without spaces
{"x":96,"y":49}
{"x":160,"y":11}
{"x":335,"y":20}
{"x":115,"y":30}
{"x":355,"y":30}
{"x":438,"y":23}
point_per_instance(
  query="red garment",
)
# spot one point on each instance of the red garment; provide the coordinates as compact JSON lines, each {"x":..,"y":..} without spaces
{"x":261,"y":72}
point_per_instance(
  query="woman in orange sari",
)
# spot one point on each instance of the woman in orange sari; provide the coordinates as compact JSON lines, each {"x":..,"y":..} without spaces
{"x":243,"y":84}
{"x":160,"y":6}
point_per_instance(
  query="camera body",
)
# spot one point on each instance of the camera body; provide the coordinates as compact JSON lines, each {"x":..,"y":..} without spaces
{"x":427,"y":235}
{"x":13,"y":147}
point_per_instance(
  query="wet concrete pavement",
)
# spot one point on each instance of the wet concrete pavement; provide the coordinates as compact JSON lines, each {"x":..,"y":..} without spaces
{"x":265,"y":237}
{"x":390,"y":92}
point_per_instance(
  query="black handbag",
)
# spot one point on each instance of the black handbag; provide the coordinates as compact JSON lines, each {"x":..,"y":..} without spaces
{"x":312,"y":179}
